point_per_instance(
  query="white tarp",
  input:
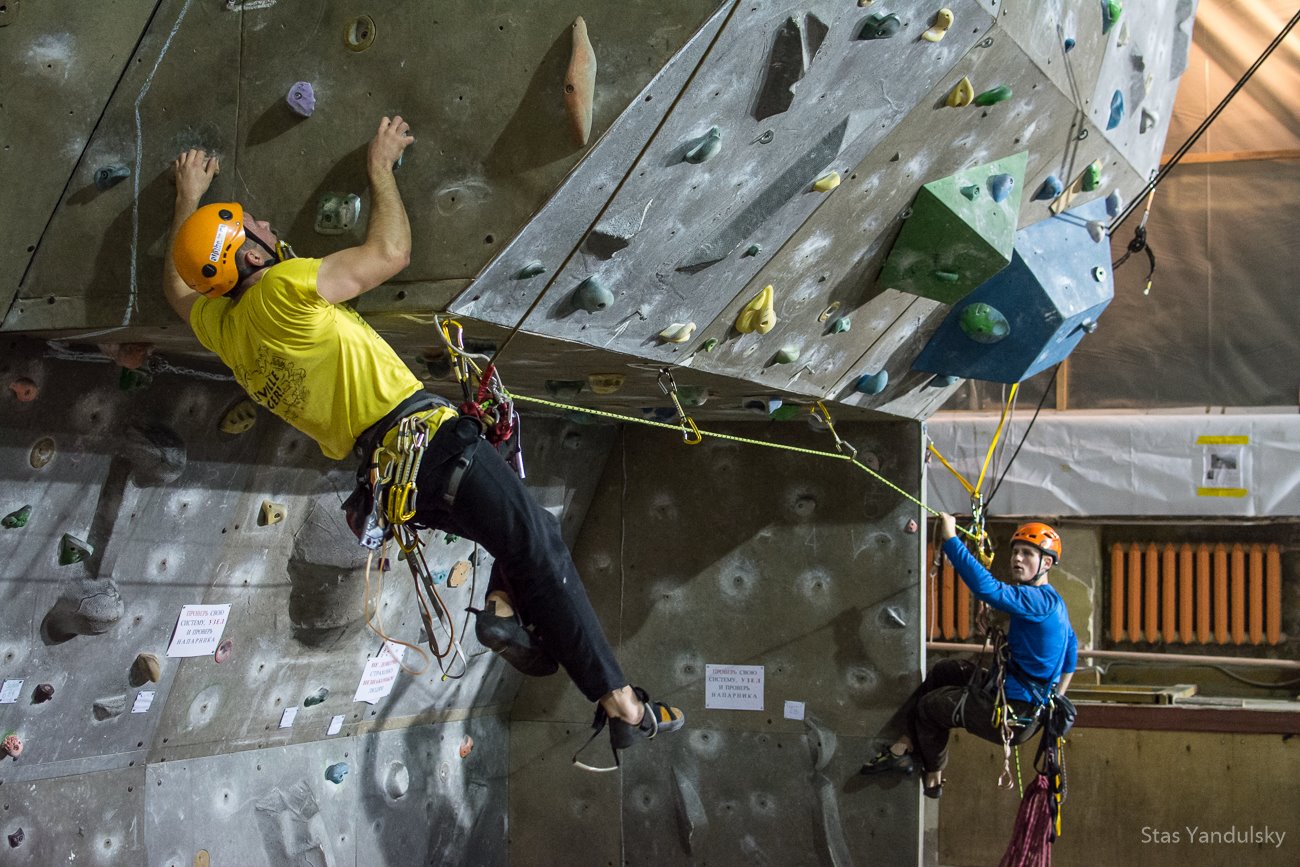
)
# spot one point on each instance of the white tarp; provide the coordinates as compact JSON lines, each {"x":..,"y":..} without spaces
{"x":1091,"y":464}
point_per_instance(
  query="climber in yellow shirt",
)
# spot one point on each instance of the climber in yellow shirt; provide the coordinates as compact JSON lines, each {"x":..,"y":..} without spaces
{"x":280,"y":323}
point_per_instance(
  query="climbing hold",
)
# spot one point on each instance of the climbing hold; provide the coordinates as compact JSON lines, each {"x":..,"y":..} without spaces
{"x":710,"y":344}
{"x":337,"y":213}
{"x":963,"y":93}
{"x":839,"y":326}
{"x":786,"y":355}
{"x":705,"y":147}
{"x":1116,"y":110}
{"x":12,"y":745}
{"x":1121,"y":38}
{"x":147,"y":668}
{"x":336,"y":772}
{"x":1000,"y":186}
{"x":301,"y":98}
{"x":1114,"y":204}
{"x":466,"y":747}
{"x":911,"y":527}
{"x":943,"y":381}
{"x":43,"y":693}
{"x":73,"y":550}
{"x":693,"y":395}
{"x":397,"y":781}
{"x":829,"y":311}
{"x":316,"y":697}
{"x":1110,"y":13}
{"x":1069,"y":43}
{"x":1148,"y":119}
{"x":134,"y":380}
{"x":1091,"y":177}
{"x":678,"y":332}
{"x":564,"y":388}
{"x":239,"y":418}
{"x":17,"y":518}
{"x":971,"y":191}
{"x":753,"y":250}
{"x":16,"y":839}
{"x":864,"y":2}
{"x":111,"y":176}
{"x":132,"y":355}
{"x":872,"y":383}
{"x":605,"y":383}
{"x":942,"y":21}
{"x":359,"y":33}
{"x":580,"y":84}
{"x":892,"y":617}
{"x":984,"y":323}
{"x":946,"y":276}
{"x":24,"y":389}
{"x":532,"y":269}
{"x":223,"y":651}
{"x":460,"y":570}
{"x":789,"y":413}
{"x":994,"y":96}
{"x":827,"y":182}
{"x":880,"y":26}
{"x":1099,"y":274}
{"x":759,"y":314}
{"x":762,"y":404}
{"x":592,"y":296}
{"x":270,"y":513}
{"x":1051,"y":188}
{"x":107,"y":708}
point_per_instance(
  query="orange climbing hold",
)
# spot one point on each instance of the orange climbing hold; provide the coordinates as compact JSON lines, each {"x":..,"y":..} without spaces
{"x":466,"y":746}
{"x":24,"y":389}
{"x":580,"y":84}
{"x":132,"y":356}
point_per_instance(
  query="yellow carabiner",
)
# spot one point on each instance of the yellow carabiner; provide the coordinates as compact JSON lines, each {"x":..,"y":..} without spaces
{"x":694,"y":438}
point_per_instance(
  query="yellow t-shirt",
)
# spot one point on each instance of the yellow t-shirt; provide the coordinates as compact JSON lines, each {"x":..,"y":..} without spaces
{"x":319,"y":366}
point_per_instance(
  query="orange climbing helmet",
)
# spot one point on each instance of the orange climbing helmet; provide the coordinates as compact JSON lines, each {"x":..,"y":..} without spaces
{"x":206,"y":248}
{"x":1042,"y":537}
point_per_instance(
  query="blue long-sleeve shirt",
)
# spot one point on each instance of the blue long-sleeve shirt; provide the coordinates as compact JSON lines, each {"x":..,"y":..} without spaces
{"x":1041,"y":640}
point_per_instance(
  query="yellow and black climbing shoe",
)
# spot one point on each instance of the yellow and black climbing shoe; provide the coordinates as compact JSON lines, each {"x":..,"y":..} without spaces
{"x":885,"y":761}
{"x":656,"y":718}
{"x":516,"y":645}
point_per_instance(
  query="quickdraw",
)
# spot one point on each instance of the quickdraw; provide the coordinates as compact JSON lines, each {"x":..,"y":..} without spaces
{"x":690,"y":431}
{"x":488,"y":402}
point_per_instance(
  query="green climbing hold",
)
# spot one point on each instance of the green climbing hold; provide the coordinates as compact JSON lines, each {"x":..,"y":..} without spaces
{"x":705,"y":147}
{"x":994,"y":96}
{"x":984,"y":323}
{"x":1110,"y":12}
{"x":17,"y":519}
{"x":788,"y":413}
{"x":971,"y":191}
{"x":134,"y":380}
{"x":1091,"y":177}
{"x":566,"y":388}
{"x":710,"y":344}
{"x":839,"y":326}
{"x":72,"y":550}
{"x":693,"y":395}
{"x":592,"y":296}
{"x":532,"y":269}
{"x":754,"y":250}
{"x":786,"y":355}
{"x":947,"y":276}
{"x":880,"y":26}
{"x":316,"y":697}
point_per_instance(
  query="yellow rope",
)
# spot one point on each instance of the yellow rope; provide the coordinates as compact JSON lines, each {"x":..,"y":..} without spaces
{"x":997,"y":434}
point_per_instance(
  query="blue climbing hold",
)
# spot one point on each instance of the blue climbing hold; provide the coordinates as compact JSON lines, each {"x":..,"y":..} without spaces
{"x":872,"y":383}
{"x":1114,"y":203}
{"x":943,"y":381}
{"x":1051,"y":188}
{"x":336,"y":772}
{"x":1116,"y":110}
{"x":1069,"y":43}
{"x":1000,"y":187}
{"x":592,"y":296}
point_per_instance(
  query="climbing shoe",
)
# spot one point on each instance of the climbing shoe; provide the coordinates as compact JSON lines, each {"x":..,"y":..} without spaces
{"x":885,"y":761}
{"x":935,"y":791}
{"x":516,"y":645}
{"x":656,"y":718}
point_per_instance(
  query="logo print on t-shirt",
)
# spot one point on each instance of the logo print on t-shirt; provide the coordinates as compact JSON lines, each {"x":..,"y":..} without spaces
{"x":276,"y":384}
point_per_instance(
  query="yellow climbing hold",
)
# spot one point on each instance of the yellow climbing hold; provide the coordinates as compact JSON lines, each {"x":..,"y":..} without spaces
{"x":942,"y":21}
{"x":826,"y":183}
{"x":759,"y":314}
{"x":605,"y":383}
{"x":272,"y":513}
{"x":962,"y":94}
{"x":678,"y":332}
{"x":239,"y":418}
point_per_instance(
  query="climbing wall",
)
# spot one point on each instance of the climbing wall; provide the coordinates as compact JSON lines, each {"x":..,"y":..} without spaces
{"x":139,"y":505}
{"x":735,"y":555}
{"x":621,"y":185}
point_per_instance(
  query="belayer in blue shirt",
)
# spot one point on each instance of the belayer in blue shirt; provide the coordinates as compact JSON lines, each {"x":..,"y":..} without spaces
{"x":1042,"y":651}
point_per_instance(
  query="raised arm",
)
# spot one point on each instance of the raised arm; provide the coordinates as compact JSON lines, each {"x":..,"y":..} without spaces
{"x":387,"y":248}
{"x":192,"y":172}
{"x":983,"y":586}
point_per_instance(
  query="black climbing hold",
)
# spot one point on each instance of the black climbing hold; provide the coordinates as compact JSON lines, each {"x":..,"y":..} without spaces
{"x":880,"y":26}
{"x":316,"y":697}
{"x":111,"y":176}
{"x":785,"y":66}
{"x":16,"y":838}
{"x":43,"y":693}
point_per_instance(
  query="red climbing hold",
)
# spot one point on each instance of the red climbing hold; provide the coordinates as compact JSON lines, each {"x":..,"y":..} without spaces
{"x":24,"y":389}
{"x":224,"y":649}
{"x":466,"y":746}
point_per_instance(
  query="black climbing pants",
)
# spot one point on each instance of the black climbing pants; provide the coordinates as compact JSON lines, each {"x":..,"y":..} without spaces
{"x":936,"y":707}
{"x":531,"y":563}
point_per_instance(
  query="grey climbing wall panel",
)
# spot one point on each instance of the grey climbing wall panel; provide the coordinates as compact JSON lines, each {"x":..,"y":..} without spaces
{"x":169,"y":508}
{"x":800,"y":565}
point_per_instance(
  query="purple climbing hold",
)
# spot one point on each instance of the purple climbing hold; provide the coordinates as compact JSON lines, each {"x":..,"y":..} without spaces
{"x":301,"y":98}
{"x":1051,"y":188}
{"x":1116,"y":110}
{"x":1000,"y":187}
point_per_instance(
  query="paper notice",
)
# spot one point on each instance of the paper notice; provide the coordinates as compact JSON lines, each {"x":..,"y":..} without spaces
{"x":198,"y":631}
{"x":143,"y":701}
{"x":733,"y":687}
{"x":1224,"y":466}
{"x":794,"y":710}
{"x":9,"y":692}
{"x":336,"y":725}
{"x":380,"y":674}
{"x":286,"y":718}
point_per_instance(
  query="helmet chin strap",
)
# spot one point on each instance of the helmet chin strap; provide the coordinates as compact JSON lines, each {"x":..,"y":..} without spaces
{"x":279,"y":253}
